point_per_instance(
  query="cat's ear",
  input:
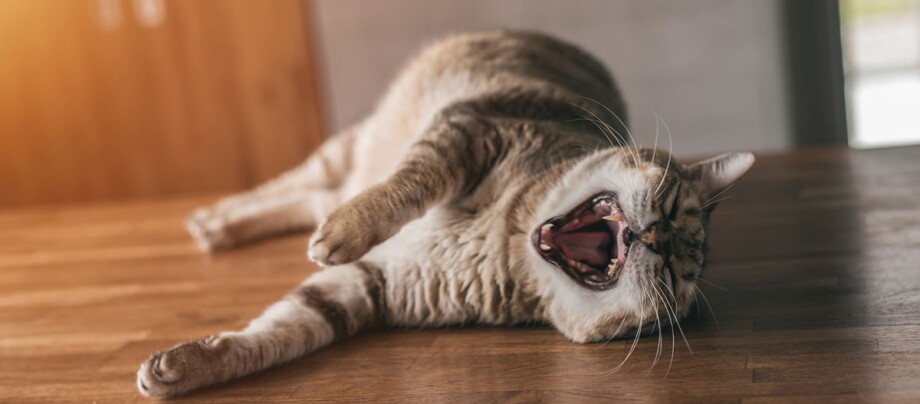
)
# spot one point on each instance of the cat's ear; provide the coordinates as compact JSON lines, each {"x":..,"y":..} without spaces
{"x":720,"y":172}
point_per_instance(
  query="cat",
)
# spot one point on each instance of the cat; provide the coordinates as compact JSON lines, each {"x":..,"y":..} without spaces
{"x":492,"y":185}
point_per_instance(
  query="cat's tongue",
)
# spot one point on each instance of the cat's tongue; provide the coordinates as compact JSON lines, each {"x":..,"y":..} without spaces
{"x":589,"y":247}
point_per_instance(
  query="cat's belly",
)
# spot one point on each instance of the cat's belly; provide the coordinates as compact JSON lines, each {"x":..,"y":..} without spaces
{"x":375,"y":158}
{"x":440,"y":272}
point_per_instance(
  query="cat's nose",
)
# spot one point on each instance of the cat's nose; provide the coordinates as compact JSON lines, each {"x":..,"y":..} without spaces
{"x":649,"y":237}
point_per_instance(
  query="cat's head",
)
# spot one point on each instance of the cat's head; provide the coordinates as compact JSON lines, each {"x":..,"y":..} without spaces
{"x":619,"y":240}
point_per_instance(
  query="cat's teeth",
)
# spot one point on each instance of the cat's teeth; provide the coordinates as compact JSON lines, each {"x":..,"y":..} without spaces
{"x":545,"y":247}
{"x":614,"y":263}
{"x":614,"y":216}
{"x":546,"y":227}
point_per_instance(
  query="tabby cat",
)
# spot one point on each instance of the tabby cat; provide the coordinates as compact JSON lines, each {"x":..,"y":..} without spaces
{"x":492,"y":185}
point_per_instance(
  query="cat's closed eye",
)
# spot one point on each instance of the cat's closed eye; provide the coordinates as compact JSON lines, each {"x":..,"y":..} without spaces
{"x":672,"y":204}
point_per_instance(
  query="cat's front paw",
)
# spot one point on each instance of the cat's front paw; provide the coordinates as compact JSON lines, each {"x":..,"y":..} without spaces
{"x":183,"y":368}
{"x":340,"y":241}
{"x":209,"y":230}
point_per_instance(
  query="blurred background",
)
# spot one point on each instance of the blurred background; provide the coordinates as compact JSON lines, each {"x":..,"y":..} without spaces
{"x":104,"y":100}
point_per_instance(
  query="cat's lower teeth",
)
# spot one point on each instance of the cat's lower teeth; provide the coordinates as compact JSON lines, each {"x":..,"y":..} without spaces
{"x":545,"y":247}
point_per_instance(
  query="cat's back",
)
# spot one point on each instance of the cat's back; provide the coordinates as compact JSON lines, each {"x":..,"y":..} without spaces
{"x":504,"y":59}
{"x":470,"y":65}
{"x":465,"y":67}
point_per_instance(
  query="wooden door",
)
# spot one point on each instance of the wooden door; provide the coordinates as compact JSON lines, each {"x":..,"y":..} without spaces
{"x":121,"y":99}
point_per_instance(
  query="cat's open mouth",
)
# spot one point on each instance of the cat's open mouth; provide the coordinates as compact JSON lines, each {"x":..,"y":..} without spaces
{"x":590,"y":243}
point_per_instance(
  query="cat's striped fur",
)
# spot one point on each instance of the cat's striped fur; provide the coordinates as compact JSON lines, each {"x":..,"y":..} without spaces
{"x":425,"y":212}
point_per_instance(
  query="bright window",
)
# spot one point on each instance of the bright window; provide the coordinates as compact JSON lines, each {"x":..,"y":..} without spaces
{"x":881,"y":53}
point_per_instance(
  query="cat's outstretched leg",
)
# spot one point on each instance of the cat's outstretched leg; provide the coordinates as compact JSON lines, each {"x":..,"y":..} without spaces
{"x":296,"y":200}
{"x":450,"y":159}
{"x":330,"y":305}
{"x":289,"y":211}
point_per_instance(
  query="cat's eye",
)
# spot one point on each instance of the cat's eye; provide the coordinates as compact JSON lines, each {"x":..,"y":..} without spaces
{"x":671,"y":203}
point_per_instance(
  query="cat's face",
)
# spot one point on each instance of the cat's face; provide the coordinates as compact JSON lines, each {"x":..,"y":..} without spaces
{"x":619,"y":241}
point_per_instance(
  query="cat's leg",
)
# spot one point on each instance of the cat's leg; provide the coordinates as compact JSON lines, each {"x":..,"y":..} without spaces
{"x":296,"y":200}
{"x":330,"y":305}
{"x":261,"y":217}
{"x":450,"y":159}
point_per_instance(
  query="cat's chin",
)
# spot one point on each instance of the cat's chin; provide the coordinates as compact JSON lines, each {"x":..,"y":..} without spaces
{"x":590,"y":243}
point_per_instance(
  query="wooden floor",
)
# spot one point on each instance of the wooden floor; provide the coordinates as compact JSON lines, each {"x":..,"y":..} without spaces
{"x":814,"y":284}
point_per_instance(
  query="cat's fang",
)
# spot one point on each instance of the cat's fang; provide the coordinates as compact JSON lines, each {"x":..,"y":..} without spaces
{"x":614,"y":216}
{"x":545,"y":247}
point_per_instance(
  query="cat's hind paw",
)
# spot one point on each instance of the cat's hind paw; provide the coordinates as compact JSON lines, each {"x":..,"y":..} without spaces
{"x":182,"y":368}
{"x":208,"y":230}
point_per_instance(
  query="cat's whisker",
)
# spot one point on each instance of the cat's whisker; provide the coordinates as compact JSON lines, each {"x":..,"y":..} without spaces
{"x":615,"y":333}
{"x":583,"y":147}
{"x":670,"y":151}
{"x":710,"y":283}
{"x":670,"y":320}
{"x":706,"y":300}
{"x":677,"y":322}
{"x":658,"y":326}
{"x":617,"y":117}
{"x":597,"y":125}
{"x":632,"y":348}
{"x":612,"y":132}
{"x":713,"y":200}
{"x":648,"y":189}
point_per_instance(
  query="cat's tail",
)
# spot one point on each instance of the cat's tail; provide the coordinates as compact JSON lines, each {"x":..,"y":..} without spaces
{"x":335,"y":303}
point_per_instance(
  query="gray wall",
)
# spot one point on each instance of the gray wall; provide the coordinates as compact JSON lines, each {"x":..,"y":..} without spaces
{"x":712,"y":69}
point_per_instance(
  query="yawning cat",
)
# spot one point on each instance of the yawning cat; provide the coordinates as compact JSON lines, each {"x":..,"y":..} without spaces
{"x":492,"y":185}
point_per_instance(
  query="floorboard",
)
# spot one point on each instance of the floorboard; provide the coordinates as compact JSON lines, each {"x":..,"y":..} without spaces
{"x":812,"y":279}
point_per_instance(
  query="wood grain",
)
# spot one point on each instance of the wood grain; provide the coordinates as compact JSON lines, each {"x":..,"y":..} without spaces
{"x":218,"y":97}
{"x":815,"y":259}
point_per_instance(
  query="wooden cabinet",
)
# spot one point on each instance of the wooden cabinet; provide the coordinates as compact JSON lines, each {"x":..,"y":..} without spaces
{"x":122,"y":99}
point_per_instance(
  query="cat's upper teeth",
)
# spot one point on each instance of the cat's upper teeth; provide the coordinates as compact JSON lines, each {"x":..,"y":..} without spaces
{"x":614,"y":216}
